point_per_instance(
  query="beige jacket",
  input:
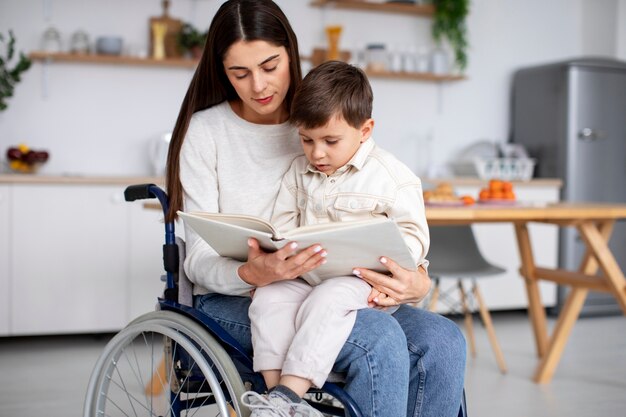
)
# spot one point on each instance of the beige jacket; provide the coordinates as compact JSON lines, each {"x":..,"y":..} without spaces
{"x":373,"y":183}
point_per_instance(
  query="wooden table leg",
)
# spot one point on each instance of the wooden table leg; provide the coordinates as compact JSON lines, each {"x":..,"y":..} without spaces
{"x":567,"y":318}
{"x":597,"y":243}
{"x":589,"y":264}
{"x":598,"y":255}
{"x":535,"y":307}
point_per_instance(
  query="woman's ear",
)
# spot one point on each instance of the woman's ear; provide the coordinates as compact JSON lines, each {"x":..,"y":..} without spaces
{"x":366,"y":129}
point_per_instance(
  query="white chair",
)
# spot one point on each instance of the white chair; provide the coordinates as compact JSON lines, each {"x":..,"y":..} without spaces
{"x":454,"y":254}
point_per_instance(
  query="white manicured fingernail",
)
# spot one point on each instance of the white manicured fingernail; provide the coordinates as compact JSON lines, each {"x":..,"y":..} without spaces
{"x":383,"y":260}
{"x":376,"y":300}
{"x":356,"y":272}
{"x":324,"y":261}
{"x":250,"y":242}
{"x":293,"y":245}
{"x":324,"y":254}
{"x":317,"y":249}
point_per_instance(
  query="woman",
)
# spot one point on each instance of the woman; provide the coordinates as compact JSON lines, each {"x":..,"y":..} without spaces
{"x":230,"y":147}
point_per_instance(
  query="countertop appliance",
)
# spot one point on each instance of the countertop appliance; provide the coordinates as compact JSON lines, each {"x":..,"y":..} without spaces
{"x":571,"y":116}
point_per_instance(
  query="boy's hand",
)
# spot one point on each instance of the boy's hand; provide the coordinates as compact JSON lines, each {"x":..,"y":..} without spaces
{"x":263,"y":268}
{"x":377,"y":299}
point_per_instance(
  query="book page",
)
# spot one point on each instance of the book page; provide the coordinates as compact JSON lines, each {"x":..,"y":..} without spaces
{"x":241,"y":220}
{"x":226,"y":238}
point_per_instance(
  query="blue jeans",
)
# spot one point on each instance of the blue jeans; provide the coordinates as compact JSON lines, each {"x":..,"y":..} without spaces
{"x":410,"y":363}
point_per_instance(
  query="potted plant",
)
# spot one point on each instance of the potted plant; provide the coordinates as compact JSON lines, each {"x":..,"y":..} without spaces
{"x":449,"y":24}
{"x":10,"y":76}
{"x":191,"y":40}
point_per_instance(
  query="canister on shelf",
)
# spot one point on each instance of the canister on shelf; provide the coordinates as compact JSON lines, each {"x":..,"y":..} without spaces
{"x":333,"y":33}
{"x":376,"y":57}
{"x":51,"y":40}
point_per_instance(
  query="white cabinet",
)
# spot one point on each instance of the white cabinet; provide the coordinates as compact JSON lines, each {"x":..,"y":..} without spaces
{"x":498,"y":244}
{"x":69,"y":267}
{"x":5,"y":256}
{"x":76,"y":257}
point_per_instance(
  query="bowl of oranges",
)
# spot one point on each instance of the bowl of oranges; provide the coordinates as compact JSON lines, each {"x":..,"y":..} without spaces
{"x":497,"y":192}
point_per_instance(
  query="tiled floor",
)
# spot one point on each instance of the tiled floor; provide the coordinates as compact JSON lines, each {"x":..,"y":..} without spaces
{"x":47,"y":376}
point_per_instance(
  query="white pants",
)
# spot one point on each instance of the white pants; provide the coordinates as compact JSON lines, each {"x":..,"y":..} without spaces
{"x":301,"y":329}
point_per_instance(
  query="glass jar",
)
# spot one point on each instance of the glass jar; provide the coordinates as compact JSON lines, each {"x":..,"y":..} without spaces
{"x":439,"y":62}
{"x":51,"y":40}
{"x":79,"y":43}
{"x":376,"y":57}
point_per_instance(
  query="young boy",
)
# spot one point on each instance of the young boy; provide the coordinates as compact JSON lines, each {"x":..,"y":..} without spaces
{"x":298,"y":327}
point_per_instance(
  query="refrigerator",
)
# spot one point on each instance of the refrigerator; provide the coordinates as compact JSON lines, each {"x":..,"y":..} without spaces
{"x":571,"y":117}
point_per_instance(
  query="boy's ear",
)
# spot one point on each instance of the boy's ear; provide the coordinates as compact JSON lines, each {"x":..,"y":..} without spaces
{"x":366,"y":129}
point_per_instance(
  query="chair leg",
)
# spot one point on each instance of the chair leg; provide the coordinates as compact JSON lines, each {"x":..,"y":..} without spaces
{"x":154,"y":387}
{"x":486,"y":317}
{"x":469,"y":323}
{"x":434,"y":297}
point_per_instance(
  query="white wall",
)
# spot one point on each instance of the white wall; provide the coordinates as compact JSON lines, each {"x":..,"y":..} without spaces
{"x":97,"y":119}
{"x":620,"y":17}
{"x":598,"y":34}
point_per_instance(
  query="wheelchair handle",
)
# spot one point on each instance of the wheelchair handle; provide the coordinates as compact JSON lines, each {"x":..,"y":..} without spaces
{"x":147,"y":191}
{"x":138,"y":192}
{"x":170,"y":249}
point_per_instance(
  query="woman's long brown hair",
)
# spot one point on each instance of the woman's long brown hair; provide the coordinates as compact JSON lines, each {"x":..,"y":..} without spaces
{"x":236,"y":20}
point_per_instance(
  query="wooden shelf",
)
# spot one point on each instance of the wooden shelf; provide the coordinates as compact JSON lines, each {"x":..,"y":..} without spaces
{"x":414,"y":76}
{"x":426,"y":10}
{"x":191,"y":63}
{"x":112,"y":60}
{"x":319,"y":55}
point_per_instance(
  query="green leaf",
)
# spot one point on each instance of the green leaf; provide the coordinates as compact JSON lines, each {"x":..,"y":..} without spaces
{"x":449,"y":23}
{"x":9,"y":77}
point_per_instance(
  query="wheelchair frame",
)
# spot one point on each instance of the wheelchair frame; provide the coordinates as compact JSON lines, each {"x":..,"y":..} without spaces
{"x":197,"y":337}
{"x":187,"y":334}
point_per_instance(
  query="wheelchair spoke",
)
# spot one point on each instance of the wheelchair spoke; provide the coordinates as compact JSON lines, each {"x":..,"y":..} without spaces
{"x":130,"y":400}
{"x":151,"y":345}
{"x":124,"y":388}
{"x":164,"y":365}
{"x":186,"y":383}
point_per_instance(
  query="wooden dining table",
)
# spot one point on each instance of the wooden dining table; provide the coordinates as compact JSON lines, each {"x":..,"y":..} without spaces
{"x":598,"y":269}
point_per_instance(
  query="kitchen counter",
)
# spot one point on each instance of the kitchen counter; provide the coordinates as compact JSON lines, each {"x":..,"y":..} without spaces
{"x":128,"y":180}
{"x":78,"y":179}
{"x":477,"y":182}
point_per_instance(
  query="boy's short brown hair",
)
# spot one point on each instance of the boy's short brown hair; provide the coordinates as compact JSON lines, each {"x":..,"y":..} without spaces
{"x":332,"y":88}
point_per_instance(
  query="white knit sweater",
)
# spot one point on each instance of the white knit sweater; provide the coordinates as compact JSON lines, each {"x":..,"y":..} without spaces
{"x":229,"y":165}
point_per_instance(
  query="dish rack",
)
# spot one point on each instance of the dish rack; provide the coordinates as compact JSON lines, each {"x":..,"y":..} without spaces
{"x":507,"y":169}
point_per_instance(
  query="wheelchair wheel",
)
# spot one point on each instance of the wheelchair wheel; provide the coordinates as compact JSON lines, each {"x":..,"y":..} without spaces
{"x":164,"y":364}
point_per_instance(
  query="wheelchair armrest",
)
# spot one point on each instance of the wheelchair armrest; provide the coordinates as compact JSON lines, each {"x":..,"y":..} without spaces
{"x":138,"y":192}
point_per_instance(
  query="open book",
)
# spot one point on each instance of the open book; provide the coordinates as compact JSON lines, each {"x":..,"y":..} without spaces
{"x":349,"y":244}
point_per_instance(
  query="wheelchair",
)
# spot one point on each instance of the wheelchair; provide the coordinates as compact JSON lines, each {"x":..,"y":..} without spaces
{"x":177,"y":361}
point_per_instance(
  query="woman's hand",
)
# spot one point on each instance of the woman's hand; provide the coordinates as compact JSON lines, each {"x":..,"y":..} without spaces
{"x":403,"y":286}
{"x":264,"y":268}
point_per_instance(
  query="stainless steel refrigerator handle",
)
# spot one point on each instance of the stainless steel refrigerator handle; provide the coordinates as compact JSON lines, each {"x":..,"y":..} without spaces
{"x":588,"y":134}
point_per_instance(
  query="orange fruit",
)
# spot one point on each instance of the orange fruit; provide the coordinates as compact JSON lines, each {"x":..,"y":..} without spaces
{"x":507,"y":186}
{"x":495,"y":185}
{"x":509,"y":195}
{"x":497,"y":195}
{"x":484,"y":194}
{"x":467,"y":200}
